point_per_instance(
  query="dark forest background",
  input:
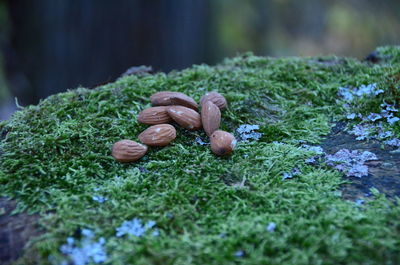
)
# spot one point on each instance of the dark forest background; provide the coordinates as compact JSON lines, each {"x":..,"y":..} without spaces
{"x":49,"y":46}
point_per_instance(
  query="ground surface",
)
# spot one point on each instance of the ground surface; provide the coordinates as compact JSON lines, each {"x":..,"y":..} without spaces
{"x":182,"y":205}
{"x":15,"y":230}
{"x":384,"y":174}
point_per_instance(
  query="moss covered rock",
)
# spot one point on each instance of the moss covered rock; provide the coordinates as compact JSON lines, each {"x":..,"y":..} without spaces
{"x":183,"y":205}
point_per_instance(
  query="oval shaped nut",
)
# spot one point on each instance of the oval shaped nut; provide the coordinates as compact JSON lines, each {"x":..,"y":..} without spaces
{"x":215,"y":98}
{"x":222,"y":143}
{"x":186,"y":101}
{"x":154,"y":115}
{"x":185,"y":117}
{"x":210,"y":117}
{"x":162,"y":98}
{"x":167,"y":98}
{"x":128,"y":151}
{"x":158,"y":135}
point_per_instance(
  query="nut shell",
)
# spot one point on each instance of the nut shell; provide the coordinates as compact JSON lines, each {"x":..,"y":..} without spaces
{"x":185,"y":117}
{"x":168,"y":98}
{"x":128,"y":151}
{"x":210,"y":117}
{"x":222,"y":143}
{"x":158,"y":135}
{"x":154,"y":115}
{"x":215,"y":98}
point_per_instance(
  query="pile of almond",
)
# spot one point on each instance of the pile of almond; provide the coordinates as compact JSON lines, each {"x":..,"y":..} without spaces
{"x":175,"y":106}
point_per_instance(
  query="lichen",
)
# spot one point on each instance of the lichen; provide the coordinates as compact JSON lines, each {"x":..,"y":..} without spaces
{"x":84,"y":251}
{"x":351,"y":162}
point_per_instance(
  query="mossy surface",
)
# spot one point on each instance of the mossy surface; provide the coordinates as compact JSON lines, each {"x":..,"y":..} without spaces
{"x":56,"y":156}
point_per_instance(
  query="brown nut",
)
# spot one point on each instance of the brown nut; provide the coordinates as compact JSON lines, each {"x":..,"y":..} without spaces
{"x":222,"y":143}
{"x":185,"y":117}
{"x":158,"y":135}
{"x":167,"y":98}
{"x":128,"y":151}
{"x":154,"y":115}
{"x":210,"y":117}
{"x":186,"y":101}
{"x":215,"y":98}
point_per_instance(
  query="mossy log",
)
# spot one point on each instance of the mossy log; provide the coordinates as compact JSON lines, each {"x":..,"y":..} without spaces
{"x":56,"y":163}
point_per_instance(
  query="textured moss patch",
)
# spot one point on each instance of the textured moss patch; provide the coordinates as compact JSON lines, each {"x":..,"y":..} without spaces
{"x":56,"y":157}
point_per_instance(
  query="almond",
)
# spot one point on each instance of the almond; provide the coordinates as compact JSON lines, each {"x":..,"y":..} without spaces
{"x":215,"y":98}
{"x":222,"y":143}
{"x":183,"y":100}
{"x":185,"y":117}
{"x":128,"y":151}
{"x":210,"y":117}
{"x":158,"y":135}
{"x":154,"y":115}
{"x":167,"y":98}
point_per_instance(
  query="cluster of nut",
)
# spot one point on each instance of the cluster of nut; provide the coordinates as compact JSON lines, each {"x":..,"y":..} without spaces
{"x":175,"y":106}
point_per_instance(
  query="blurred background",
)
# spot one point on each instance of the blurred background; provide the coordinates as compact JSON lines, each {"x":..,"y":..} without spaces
{"x":49,"y":46}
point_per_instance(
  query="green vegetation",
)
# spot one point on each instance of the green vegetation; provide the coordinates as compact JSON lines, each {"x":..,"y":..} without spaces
{"x":56,"y":157}
{"x":307,"y":28}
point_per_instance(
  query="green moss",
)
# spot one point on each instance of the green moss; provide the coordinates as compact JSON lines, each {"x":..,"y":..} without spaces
{"x":56,"y":153}
{"x":390,"y":53}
